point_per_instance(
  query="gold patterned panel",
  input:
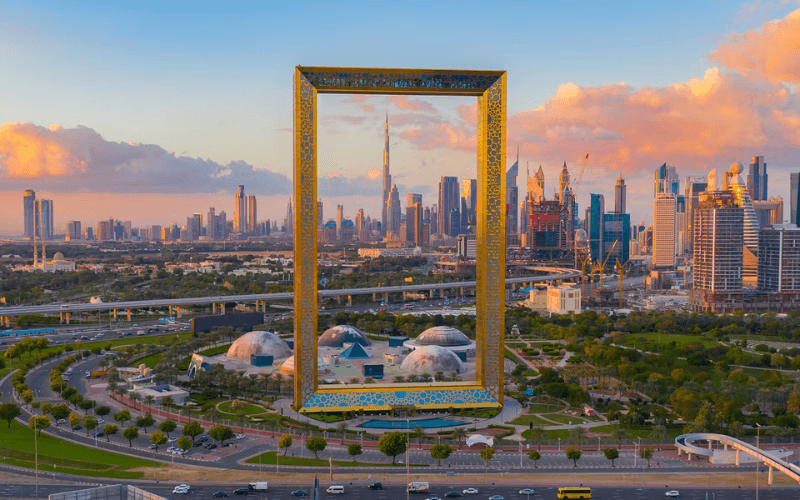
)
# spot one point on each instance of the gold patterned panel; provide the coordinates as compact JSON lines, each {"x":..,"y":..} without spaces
{"x":490,"y":89}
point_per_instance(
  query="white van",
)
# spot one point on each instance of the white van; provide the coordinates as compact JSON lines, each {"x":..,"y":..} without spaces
{"x":335,"y":490}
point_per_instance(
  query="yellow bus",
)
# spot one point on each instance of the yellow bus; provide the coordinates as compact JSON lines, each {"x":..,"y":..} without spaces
{"x":575,"y":492}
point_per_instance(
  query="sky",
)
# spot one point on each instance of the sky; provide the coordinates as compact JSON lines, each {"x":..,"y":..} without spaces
{"x":155,"y":110}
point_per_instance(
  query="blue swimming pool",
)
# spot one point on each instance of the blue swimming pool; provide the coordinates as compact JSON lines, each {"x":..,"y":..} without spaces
{"x":429,"y":423}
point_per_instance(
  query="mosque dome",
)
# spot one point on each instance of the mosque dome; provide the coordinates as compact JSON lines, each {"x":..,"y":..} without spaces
{"x":736,"y":168}
{"x":442,"y":336}
{"x":288,"y":365}
{"x":340,"y":335}
{"x":58,"y":256}
{"x":260,"y":342}
{"x":431,"y":359}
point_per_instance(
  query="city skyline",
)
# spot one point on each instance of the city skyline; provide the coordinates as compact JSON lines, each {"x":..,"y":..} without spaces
{"x":705,"y":106}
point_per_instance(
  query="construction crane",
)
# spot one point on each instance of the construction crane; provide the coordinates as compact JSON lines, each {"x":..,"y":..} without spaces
{"x":600,"y":267}
{"x":581,"y":170}
{"x":621,"y":268}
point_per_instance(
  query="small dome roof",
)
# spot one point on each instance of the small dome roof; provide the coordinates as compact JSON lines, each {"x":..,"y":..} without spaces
{"x":442,"y":335}
{"x":259,"y":342}
{"x":340,"y":335}
{"x":58,"y":256}
{"x":288,"y":365}
{"x":431,"y":359}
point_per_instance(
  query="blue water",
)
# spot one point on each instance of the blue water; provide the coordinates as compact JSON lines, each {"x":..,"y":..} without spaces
{"x":430,"y":423}
{"x":35,"y":331}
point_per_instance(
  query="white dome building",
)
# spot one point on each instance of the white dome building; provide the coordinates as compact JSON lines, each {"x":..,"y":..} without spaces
{"x":259,"y":342}
{"x":288,"y":365}
{"x":340,"y":335}
{"x":443,"y":336}
{"x":431,"y":359}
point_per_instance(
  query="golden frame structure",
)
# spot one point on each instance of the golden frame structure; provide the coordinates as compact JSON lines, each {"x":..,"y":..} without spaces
{"x":490,"y":89}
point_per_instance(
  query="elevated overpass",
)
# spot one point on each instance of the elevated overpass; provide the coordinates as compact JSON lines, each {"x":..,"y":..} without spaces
{"x":773,"y":458}
{"x":550,"y":274}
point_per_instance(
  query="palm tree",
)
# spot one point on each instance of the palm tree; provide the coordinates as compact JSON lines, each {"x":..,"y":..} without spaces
{"x":135,"y":397}
{"x":459,"y":435}
{"x":538,"y":434}
{"x":578,"y":433}
{"x":419,"y":434}
{"x":149,"y":400}
{"x":242,"y":416}
{"x":342,"y":429}
{"x":619,"y":434}
{"x":659,"y":434}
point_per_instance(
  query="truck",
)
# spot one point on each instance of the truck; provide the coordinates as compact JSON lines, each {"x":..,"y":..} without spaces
{"x":140,"y":333}
{"x":418,"y":487}
{"x":96,"y":374}
{"x":258,"y":486}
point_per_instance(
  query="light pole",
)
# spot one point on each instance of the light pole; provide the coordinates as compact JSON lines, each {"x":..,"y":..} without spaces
{"x":36,"y":453}
{"x":559,"y":444}
{"x":408,"y":454}
{"x":758,"y":447}
{"x":598,"y":443}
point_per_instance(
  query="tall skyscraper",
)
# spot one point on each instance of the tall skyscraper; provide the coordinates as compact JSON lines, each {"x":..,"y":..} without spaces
{"x":288,"y":220}
{"x":750,"y":224}
{"x":44,"y":208}
{"x":361,"y":227}
{"x":212,"y":225}
{"x":693,"y":186}
{"x":563,"y":184}
{"x":794,"y":198}
{"x":29,"y":210}
{"x":666,"y":180}
{"x":320,"y":219}
{"x":252,"y":214}
{"x":512,"y":198}
{"x":620,"y":196}
{"x":664,"y":230}
{"x":387,"y":181}
{"x":757,"y":179}
{"x":393,"y":212}
{"x":449,"y":201}
{"x":779,"y":259}
{"x":74,"y":232}
{"x":469,"y":192}
{"x":240,"y":212}
{"x":536,"y":186}
{"x":616,"y":238}
{"x":718,"y":242}
{"x":594,"y":229}
{"x":414,"y":213}
{"x":339,"y":219}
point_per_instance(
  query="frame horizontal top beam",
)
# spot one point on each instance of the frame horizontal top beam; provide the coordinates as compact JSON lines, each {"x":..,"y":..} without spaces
{"x":328,"y":80}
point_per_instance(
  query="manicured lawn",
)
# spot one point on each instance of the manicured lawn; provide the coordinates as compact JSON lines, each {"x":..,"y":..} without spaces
{"x":528,"y":419}
{"x":268,"y":458}
{"x":249,"y":409}
{"x":324,"y":417}
{"x":565,"y":419}
{"x":17,"y":445}
{"x":666,"y":338}
{"x":215,"y":350}
{"x":673,"y":431}
{"x":543,"y":408}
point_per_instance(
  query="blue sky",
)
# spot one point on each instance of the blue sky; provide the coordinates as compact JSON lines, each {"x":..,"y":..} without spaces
{"x":213,"y":80}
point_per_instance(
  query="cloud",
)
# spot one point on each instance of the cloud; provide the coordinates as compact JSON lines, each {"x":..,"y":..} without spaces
{"x":442,"y":135}
{"x":771,"y":53}
{"x":758,"y":10}
{"x":407,"y":104}
{"x":78,"y":159}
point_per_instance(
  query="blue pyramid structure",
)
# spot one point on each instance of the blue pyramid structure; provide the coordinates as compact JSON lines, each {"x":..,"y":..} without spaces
{"x":355,"y":351}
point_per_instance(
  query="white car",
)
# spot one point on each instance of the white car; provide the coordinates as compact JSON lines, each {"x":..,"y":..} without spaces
{"x":179,"y":491}
{"x":672,"y":494}
{"x":470,"y":491}
{"x":186,"y":486}
{"x":526,"y":491}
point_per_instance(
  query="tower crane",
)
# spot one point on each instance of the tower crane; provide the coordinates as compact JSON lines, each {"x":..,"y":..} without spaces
{"x":621,"y":268}
{"x":600,"y":267}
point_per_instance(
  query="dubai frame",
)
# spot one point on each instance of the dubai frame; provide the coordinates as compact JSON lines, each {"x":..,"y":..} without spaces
{"x":486,"y":391}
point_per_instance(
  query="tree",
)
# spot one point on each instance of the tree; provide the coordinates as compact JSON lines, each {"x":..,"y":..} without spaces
{"x":59,"y":411}
{"x":611,"y":454}
{"x":538,"y":434}
{"x":535,"y":456}
{"x":659,"y":433}
{"x":285,"y":442}
{"x":341,"y":428}
{"x":39,"y":422}
{"x":122,"y":417}
{"x":419,"y":434}
{"x":167,"y":426}
{"x":192,"y":429}
{"x":578,"y":433}
{"x":574,"y":453}
{"x":8,"y":412}
{"x":392,"y":444}
{"x":149,"y":400}
{"x":316,"y":444}
{"x":90,"y":422}
{"x":167,"y":401}
{"x":108,"y":430}
{"x":184,"y":443}
{"x":619,"y":434}
{"x":130,"y":434}
{"x":221,"y":433}
{"x":459,"y":435}
{"x":73,"y":420}
{"x":102,"y":411}
{"x":487,"y":454}
{"x":646,"y":453}
{"x":145,"y":421}
{"x":441,"y":452}
{"x":354,"y":450}
{"x":158,"y":438}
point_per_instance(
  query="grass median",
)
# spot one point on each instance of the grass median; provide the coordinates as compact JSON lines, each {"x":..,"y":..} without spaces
{"x":56,"y":455}
{"x":269,"y":458}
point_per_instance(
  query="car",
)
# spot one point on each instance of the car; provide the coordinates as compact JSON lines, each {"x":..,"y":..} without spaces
{"x":77,"y":427}
{"x":470,"y":491}
{"x":153,"y":446}
{"x":212,"y":446}
{"x":197,"y":443}
{"x":241,"y":491}
{"x":496,"y":497}
{"x":202,"y":439}
{"x":99,"y":434}
{"x":179,"y":491}
{"x":172,"y":440}
{"x":526,"y":491}
{"x":241,"y":436}
{"x":452,"y":494}
{"x":433,"y":498}
{"x":185,"y":486}
{"x":376,"y":486}
{"x":220,"y":494}
{"x":101,"y":421}
{"x":299,"y":493}
{"x":672,"y":494}
{"x":62,"y":421}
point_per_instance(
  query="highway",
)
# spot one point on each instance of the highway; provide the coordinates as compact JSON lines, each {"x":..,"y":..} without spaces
{"x":553,"y":274}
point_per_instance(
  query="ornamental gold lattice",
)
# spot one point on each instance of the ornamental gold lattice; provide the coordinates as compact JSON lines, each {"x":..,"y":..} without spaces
{"x":490,"y":89}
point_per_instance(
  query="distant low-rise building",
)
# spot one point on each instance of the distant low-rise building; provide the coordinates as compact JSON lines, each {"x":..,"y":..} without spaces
{"x":563,"y":299}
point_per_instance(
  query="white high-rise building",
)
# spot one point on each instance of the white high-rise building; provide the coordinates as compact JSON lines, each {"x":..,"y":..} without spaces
{"x":664,"y":230}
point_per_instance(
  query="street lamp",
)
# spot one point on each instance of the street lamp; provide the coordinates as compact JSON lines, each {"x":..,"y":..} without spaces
{"x":758,"y":456}
{"x":598,"y":443}
{"x":408,"y":454}
{"x":559,"y":444}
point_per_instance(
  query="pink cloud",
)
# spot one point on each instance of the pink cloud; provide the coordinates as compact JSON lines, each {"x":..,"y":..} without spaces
{"x":405,"y":103}
{"x":469,"y":113}
{"x":771,"y":53}
{"x":442,"y":135}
